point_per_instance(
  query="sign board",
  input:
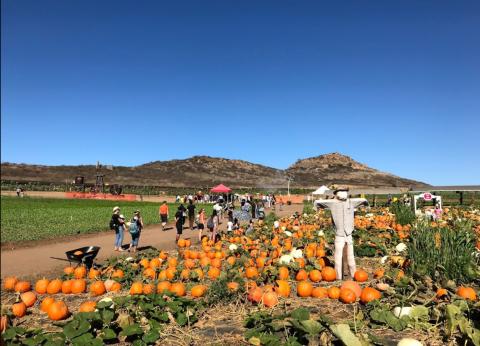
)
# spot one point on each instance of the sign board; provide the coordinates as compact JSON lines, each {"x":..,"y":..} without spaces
{"x":394,"y":199}
{"x":427,"y":196}
{"x":362,"y":195}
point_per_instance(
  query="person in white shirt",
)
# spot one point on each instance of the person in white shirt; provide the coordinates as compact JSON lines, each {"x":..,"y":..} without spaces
{"x":308,"y":198}
{"x":219,"y":210}
{"x":269,"y":202}
{"x":190,"y":197}
{"x":230,"y":225}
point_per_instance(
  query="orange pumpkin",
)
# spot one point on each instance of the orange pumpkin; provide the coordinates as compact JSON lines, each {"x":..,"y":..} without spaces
{"x":150,"y":273}
{"x":148,"y":288}
{"x":108,"y":284}
{"x":369,"y":294}
{"x":283,"y":288}
{"x":69,"y":270}
{"x":198,"y":291}
{"x":255,"y":295}
{"x":301,"y":275}
{"x":93,"y":273}
{"x":54,"y":287}
{"x":47,"y":301}
{"x":29,"y":298}
{"x":58,"y":311}
{"x":88,"y":307}
{"x":319,"y":292}
{"x":116,"y":286}
{"x":181,"y":242}
{"x":355,"y":287}
{"x":80,"y":272}
{"x":137,"y":288}
{"x":334,"y":293}
{"x":329,"y":274}
{"x":41,"y":286}
{"x":97,"y":289}
{"x":304,"y":289}
{"x":19,"y":309}
{"x":270,"y":299}
{"x":79,"y":286}
{"x":467,"y":293}
{"x":213,"y":273}
{"x":232,"y":286}
{"x":10,"y":284}
{"x":118,"y":274}
{"x":23,"y":287}
{"x":179,"y":289}
{"x":361,"y":276}
{"x":315,"y":275}
{"x":347,"y":296}
{"x":67,"y":287}
{"x":251,"y":272}
{"x":283,"y":273}
{"x":164,"y":285}
{"x":378,"y":274}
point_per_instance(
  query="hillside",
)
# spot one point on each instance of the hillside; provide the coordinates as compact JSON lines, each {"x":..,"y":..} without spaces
{"x":199,"y":171}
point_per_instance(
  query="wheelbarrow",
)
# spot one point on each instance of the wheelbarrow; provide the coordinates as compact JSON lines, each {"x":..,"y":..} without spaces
{"x":83,"y":256}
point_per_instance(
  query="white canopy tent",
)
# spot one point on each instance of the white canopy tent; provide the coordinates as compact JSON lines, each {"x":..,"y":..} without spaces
{"x":321,"y":190}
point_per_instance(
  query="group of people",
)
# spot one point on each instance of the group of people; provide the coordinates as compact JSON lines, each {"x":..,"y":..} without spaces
{"x":20,"y":192}
{"x":199,"y":198}
{"x":118,"y":224}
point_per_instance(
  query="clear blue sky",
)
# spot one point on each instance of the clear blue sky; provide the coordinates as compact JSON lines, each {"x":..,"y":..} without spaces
{"x":393,"y":84}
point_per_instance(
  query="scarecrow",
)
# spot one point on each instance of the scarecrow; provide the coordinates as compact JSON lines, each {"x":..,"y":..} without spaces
{"x":342,"y":209}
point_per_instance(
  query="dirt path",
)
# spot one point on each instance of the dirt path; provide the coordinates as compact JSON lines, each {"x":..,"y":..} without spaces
{"x":37,"y":261}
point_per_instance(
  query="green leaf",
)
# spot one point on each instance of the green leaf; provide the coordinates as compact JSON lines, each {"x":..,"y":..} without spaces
{"x":9,"y":334}
{"x":122,"y":301}
{"x":107,"y":316}
{"x":134,"y":329}
{"x":270,"y":340}
{"x":154,"y":324}
{"x":151,"y":337}
{"x":253,"y":332}
{"x":452,"y":314}
{"x":312,"y":327}
{"x":138,"y":343}
{"x":419,"y":312}
{"x":104,"y":304}
{"x":182,"y":319}
{"x":254,"y":341}
{"x":376,"y":340}
{"x":75,"y":328}
{"x":301,"y":314}
{"x":343,"y":332}
{"x":82,"y":339}
{"x":328,"y":320}
{"x":108,"y":334}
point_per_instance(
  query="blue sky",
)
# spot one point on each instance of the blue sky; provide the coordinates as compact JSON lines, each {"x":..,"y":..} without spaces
{"x":392,"y":84}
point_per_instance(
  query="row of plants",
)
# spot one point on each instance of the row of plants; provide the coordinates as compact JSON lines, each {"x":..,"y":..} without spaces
{"x":268,"y":273}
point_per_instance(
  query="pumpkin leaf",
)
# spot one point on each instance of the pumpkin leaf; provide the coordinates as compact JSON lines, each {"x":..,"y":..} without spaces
{"x":312,"y":327}
{"x":182,"y":319}
{"x":107,"y":316}
{"x":134,"y":329}
{"x":108,"y":334}
{"x":301,"y":314}
{"x":104,"y":304}
{"x":419,"y":312}
{"x":138,"y":342}
{"x":343,"y":332}
{"x":254,"y":341}
{"x":451,"y":314}
{"x":75,"y":328}
{"x":269,"y":340}
{"x":82,"y":339}
{"x":377,"y":340}
{"x":151,"y":337}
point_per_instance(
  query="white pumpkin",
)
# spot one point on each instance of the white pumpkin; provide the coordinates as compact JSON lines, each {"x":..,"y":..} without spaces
{"x":287,"y":233}
{"x":409,"y":342}
{"x":401,"y":247}
{"x":401,"y":311}
{"x":321,"y":233}
{"x":232,"y":247}
{"x":384,"y":259}
{"x":129,"y":259}
{"x":107,"y":300}
{"x":286,"y":259}
{"x":296,"y":253}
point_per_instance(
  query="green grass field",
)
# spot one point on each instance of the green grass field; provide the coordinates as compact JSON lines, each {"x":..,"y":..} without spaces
{"x":33,"y":218}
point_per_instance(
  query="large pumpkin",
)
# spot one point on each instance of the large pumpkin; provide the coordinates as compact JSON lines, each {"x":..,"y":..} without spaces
{"x":67,"y":287}
{"x":179,"y":289}
{"x":334,"y":293}
{"x":19,"y":309}
{"x":369,"y":294}
{"x":329,"y":274}
{"x":347,"y":296}
{"x":29,"y":298}
{"x":54,"y":287}
{"x":301,"y":275}
{"x":283,"y":288}
{"x":320,"y":292}
{"x":79,"y":286}
{"x":88,"y":307}
{"x":251,"y":272}
{"x":80,"y":272}
{"x":93,"y":273}
{"x":58,"y":311}
{"x":164,"y":285}
{"x":41,"y":286}
{"x":304,"y":289}
{"x":361,"y":276}
{"x":353,"y":286}
{"x":115,"y":287}
{"x":198,"y":291}
{"x":97,"y":288}
{"x":315,"y":275}
{"x":23,"y":286}
{"x":10,"y":284}
{"x":148,"y":288}
{"x":255,"y":295}
{"x":283,"y":273}
{"x":47,"y":301}
{"x":108,"y":284}
{"x":137,"y":288}
{"x":270,"y":299}
{"x":69,"y":270}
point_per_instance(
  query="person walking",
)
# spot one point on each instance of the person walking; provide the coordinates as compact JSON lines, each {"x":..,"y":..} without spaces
{"x":163,"y":214}
{"x":179,"y":223}
{"x":141,"y":197}
{"x":191,"y":213}
{"x":280,"y":201}
{"x":253,"y":206}
{"x":18,"y":192}
{"x":274,"y":201}
{"x":215,"y":223}
{"x":201,"y":223}
{"x":136,"y":226}
{"x":117,"y":223}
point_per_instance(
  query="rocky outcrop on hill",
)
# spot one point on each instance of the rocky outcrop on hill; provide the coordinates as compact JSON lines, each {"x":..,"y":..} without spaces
{"x":205,"y":171}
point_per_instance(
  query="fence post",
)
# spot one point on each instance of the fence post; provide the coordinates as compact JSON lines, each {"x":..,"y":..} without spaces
{"x":473,"y":197}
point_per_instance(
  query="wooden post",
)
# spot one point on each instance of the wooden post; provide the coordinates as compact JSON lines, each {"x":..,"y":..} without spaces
{"x":345,"y":269}
{"x":473,"y":197}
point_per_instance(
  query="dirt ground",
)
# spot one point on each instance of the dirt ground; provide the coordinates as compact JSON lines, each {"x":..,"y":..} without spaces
{"x":37,"y":259}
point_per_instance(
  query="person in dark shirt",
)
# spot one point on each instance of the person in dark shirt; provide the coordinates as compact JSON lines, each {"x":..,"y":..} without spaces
{"x":191,"y":213}
{"x":118,"y":227}
{"x":253,"y":206}
{"x":179,"y":222}
{"x":230,"y":214}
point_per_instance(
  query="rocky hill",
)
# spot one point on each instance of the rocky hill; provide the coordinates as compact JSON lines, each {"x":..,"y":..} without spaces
{"x":199,"y":171}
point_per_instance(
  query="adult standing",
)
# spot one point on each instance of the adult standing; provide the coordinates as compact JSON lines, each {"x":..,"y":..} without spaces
{"x":219,"y":210}
{"x":269,"y":201}
{"x":274,"y":201}
{"x":201,"y":223}
{"x":18,"y":191}
{"x":117,"y":223}
{"x":308,"y":198}
{"x":190,"y":198}
{"x":342,"y":209}
{"x":216,"y":222}
{"x":179,"y":223}
{"x":191,"y":213}
{"x":136,"y":226}
{"x":254,"y":206}
{"x":163,"y":214}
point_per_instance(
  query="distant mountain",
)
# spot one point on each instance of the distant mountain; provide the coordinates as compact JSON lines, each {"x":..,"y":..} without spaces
{"x":203,"y":171}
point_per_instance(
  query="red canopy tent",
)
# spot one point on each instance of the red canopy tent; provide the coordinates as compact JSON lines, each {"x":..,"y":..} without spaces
{"x":221,"y":188}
